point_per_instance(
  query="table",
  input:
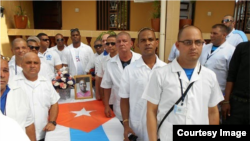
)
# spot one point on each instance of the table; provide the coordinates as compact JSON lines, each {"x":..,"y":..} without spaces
{"x":84,"y":120}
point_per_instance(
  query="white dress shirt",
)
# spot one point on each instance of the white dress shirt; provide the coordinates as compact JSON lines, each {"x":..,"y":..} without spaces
{"x":10,"y":130}
{"x":18,"y":106}
{"x":111,"y":79}
{"x":218,"y":61}
{"x":86,"y":56}
{"x":134,"y":80}
{"x":62,"y":53}
{"x":41,"y":95}
{"x":51,"y":57}
{"x":234,"y":39}
{"x":164,"y":90}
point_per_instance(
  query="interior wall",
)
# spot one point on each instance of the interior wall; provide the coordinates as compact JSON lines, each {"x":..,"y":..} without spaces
{"x":218,"y":10}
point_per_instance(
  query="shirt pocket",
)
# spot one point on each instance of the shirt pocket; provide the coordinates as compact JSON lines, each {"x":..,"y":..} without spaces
{"x":220,"y":64}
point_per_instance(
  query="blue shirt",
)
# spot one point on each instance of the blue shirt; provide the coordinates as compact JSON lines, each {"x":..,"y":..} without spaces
{"x":4,"y":98}
{"x":105,"y":53}
{"x":214,"y":48}
{"x":189,"y":72}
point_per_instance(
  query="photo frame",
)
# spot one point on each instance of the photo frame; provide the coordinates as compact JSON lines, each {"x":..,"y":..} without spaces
{"x":184,"y":6}
{"x":83,"y":87}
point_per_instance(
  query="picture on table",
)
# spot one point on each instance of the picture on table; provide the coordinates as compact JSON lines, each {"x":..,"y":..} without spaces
{"x":83,"y":87}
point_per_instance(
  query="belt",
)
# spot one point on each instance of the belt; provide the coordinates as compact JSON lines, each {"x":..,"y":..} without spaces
{"x":240,"y":99}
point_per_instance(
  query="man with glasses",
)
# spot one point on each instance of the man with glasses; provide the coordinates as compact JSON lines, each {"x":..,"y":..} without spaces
{"x":235,"y":36}
{"x":61,"y":48}
{"x":98,"y":80}
{"x":114,"y":69}
{"x":111,"y":48}
{"x":45,"y":71}
{"x":133,"y":82}
{"x":81,"y":56}
{"x":50,"y":56}
{"x":186,"y":90}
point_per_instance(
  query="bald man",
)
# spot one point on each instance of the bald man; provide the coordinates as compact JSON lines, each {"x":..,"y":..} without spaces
{"x":16,"y":106}
{"x":169,"y":83}
{"x":42,"y":95}
{"x":235,"y":36}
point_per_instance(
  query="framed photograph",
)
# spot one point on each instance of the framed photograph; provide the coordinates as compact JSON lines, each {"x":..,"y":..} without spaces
{"x":83,"y":87}
{"x":184,"y":6}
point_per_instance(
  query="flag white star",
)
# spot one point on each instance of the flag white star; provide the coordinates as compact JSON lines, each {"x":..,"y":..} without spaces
{"x":82,"y":112}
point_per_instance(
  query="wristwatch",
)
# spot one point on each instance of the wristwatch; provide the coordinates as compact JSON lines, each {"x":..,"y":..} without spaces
{"x":53,"y":122}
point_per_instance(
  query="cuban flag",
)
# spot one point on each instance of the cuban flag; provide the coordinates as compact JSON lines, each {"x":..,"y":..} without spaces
{"x":85,"y":121}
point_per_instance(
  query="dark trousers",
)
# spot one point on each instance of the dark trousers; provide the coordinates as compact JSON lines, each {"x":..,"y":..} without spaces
{"x":41,"y":140}
{"x":239,"y":114}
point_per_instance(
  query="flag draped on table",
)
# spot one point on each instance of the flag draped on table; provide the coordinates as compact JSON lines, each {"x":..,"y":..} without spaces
{"x":85,"y":121}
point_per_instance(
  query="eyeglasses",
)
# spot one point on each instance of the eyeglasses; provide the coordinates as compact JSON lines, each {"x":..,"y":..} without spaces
{"x":58,"y":40}
{"x":190,"y":42}
{"x":45,"y":40}
{"x":74,"y":29}
{"x":34,"y":47}
{"x":99,"y":45}
{"x":108,"y":43}
{"x":226,"y":21}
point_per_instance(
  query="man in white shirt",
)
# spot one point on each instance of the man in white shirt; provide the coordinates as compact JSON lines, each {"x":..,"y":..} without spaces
{"x":14,"y":103}
{"x":50,"y":56}
{"x":10,"y":130}
{"x":19,"y":48}
{"x":114,"y":69}
{"x":169,"y":83}
{"x":217,"y":55}
{"x":61,"y":49}
{"x":235,"y":36}
{"x":133,"y":82}
{"x":81,"y":56}
{"x":98,"y":80}
{"x":111,"y":48}
{"x":42,"y":96}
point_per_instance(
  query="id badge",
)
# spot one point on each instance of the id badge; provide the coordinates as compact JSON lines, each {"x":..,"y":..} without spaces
{"x":180,"y":110}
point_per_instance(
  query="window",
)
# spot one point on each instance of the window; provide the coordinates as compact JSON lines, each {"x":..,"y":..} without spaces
{"x":242,"y":15}
{"x":113,"y":15}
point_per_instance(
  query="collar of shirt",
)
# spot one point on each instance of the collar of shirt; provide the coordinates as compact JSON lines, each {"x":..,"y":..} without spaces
{"x":158,"y":63}
{"x":177,"y":68}
{"x":22,"y":77}
{"x":43,"y":54}
{"x":117,"y":59}
{"x":231,"y":33}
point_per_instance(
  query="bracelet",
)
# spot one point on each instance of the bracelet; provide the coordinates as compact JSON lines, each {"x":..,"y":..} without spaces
{"x":125,"y":120}
{"x":225,"y":102}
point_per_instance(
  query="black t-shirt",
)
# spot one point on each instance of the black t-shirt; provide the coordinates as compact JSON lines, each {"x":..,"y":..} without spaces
{"x":239,"y":69}
{"x":124,"y":64}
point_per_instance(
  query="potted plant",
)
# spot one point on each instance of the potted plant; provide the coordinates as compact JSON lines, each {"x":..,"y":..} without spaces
{"x":155,"y":21}
{"x":20,"y":18}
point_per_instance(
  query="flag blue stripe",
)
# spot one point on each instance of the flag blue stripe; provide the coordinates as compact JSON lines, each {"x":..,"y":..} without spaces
{"x":97,"y":134}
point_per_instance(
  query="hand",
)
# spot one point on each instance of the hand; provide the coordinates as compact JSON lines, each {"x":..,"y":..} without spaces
{"x":225,"y":109}
{"x":97,"y":96}
{"x":127,"y":130}
{"x":108,"y":111}
{"x":49,"y":127}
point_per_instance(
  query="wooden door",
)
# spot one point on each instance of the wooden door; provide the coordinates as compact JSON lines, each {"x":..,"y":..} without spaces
{"x":47,"y":14}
